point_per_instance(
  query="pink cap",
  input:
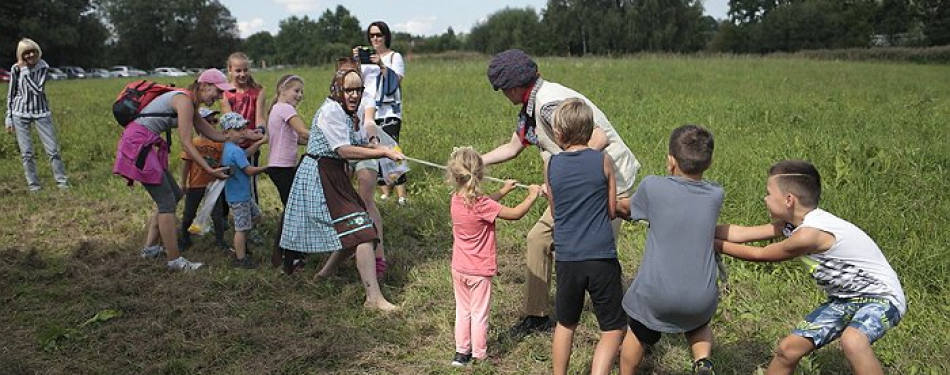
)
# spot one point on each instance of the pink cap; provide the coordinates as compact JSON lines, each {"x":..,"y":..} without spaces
{"x":217,"y":78}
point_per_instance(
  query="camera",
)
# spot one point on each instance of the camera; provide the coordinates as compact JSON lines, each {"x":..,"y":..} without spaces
{"x":364,"y":54}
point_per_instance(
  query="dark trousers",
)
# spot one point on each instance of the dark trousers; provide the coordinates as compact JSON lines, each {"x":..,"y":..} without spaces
{"x":193,"y":197}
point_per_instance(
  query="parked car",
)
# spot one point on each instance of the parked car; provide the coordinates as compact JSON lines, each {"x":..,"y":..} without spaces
{"x":73,"y":71}
{"x":98,"y":73}
{"x":194,"y":71}
{"x":4,"y":75}
{"x":56,"y":74}
{"x":169,"y":72}
{"x":126,"y":71}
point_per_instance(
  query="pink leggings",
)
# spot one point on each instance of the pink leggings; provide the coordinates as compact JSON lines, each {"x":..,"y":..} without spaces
{"x":472,"y":299}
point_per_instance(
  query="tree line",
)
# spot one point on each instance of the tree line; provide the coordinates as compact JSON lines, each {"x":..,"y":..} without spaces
{"x":201,"y":33}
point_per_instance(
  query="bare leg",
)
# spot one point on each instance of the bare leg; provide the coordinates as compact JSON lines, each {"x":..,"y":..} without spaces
{"x":606,"y":351}
{"x":152,"y":235}
{"x":386,"y":190}
{"x":366,"y":265}
{"x":790,"y":350}
{"x":367,"y":187}
{"x":169,"y":234}
{"x":561,"y":347}
{"x":329,"y":268}
{"x":240,"y":244}
{"x":857,"y":349}
{"x":700,"y":342}
{"x":401,"y":190}
{"x":632,"y":354}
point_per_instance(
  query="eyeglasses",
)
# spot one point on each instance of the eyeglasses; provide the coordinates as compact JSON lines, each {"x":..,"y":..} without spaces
{"x":353,"y":90}
{"x":376,"y":35}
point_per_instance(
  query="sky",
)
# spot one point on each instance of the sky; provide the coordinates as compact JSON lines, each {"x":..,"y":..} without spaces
{"x":418,"y":17}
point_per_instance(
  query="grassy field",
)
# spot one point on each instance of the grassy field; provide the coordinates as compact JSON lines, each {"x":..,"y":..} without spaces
{"x":77,"y":299}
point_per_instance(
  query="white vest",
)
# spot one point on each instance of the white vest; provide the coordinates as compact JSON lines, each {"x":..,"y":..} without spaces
{"x":625,"y":164}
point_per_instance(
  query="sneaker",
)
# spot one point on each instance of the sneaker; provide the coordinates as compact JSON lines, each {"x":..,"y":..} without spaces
{"x":63,"y":186}
{"x":531,"y":324}
{"x":402,"y":201}
{"x":383,"y":197}
{"x":381,"y":267}
{"x":246,"y":263}
{"x":152,"y":252}
{"x":703,"y":367}
{"x":461,"y":360}
{"x":182,"y":264}
{"x":223,"y":247}
{"x":35,"y":189}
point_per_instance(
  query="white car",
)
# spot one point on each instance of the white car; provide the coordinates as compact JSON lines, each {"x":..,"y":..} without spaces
{"x":169,"y":72}
{"x":126,"y":71}
{"x":56,"y":74}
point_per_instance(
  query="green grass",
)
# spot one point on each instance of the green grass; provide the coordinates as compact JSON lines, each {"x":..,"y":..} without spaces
{"x":877,"y":132}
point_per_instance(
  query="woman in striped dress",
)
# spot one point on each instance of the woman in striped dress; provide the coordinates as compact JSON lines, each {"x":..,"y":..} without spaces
{"x":324,"y":213}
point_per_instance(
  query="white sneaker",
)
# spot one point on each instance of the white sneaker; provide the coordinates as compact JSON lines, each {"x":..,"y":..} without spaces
{"x":402,"y":201}
{"x":183,"y":264}
{"x":152,"y":252}
{"x":383,"y":197}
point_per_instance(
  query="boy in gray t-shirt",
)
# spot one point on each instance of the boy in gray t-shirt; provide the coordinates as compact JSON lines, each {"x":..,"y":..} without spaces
{"x":675,"y":288}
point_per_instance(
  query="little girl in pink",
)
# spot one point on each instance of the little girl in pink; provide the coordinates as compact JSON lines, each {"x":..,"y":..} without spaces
{"x":473,"y":249}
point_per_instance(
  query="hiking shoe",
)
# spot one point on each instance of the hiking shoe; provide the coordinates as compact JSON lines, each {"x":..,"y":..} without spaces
{"x":245,"y":263}
{"x":461,"y":360}
{"x":152,"y":252}
{"x":531,"y":324}
{"x":703,"y":367}
{"x":182,"y":264}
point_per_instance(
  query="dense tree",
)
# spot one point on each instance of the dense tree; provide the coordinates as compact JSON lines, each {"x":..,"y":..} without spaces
{"x":296,"y":41}
{"x":260,"y":47}
{"x":172,"y":32}
{"x":934,"y":16}
{"x":508,"y":28}
{"x":69,"y":31}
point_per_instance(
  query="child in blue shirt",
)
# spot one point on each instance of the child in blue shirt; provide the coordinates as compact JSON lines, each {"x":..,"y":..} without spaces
{"x":237,"y":189}
{"x":582,"y":196}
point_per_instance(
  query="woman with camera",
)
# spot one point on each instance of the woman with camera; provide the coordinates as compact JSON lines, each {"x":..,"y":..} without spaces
{"x":382,"y":70}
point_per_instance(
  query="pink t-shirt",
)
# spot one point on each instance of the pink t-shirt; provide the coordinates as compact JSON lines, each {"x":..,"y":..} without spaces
{"x":283,"y":138}
{"x":473,"y":234}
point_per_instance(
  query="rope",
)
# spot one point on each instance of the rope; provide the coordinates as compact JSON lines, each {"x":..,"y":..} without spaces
{"x":442,"y":167}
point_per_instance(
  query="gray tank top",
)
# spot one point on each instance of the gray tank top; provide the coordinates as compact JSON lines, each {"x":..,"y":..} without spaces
{"x":161,"y":104}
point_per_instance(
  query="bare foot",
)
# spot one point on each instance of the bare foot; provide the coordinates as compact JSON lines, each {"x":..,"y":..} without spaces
{"x":381,"y":305}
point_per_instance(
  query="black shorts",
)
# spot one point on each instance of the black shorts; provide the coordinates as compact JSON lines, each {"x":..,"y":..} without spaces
{"x":644,"y":334}
{"x":601,"y":278}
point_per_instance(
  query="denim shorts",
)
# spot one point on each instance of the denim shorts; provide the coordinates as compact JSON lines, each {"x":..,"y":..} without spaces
{"x":244,"y":214}
{"x":872,"y":316}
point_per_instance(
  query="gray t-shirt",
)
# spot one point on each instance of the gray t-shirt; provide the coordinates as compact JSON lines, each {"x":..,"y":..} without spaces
{"x":161,"y":104}
{"x":675,"y":289}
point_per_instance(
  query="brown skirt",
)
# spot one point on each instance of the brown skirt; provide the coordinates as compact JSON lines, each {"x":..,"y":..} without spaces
{"x":350,"y":219}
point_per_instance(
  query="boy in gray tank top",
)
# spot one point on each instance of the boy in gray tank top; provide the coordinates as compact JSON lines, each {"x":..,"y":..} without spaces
{"x":675,"y":288}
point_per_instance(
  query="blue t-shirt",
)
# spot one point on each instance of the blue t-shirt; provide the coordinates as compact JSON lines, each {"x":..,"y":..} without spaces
{"x":578,"y":185}
{"x":237,"y":188}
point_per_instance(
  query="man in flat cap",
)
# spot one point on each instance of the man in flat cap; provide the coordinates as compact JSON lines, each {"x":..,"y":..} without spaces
{"x":516,"y":75}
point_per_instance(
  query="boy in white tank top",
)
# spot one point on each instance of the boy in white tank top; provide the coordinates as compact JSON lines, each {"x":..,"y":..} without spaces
{"x":865,"y":298}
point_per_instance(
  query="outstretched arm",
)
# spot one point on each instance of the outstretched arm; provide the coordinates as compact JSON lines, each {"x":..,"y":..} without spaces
{"x":736,"y":233}
{"x":517,"y":212}
{"x":504,"y":152}
{"x":803,"y":242}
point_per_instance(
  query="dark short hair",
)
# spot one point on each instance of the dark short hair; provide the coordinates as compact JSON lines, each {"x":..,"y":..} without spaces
{"x":383,"y":28}
{"x":692,"y":147}
{"x":799,"y":178}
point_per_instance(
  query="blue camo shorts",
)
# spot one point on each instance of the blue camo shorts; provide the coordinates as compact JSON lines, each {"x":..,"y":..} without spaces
{"x":872,"y":316}
{"x":244,"y":214}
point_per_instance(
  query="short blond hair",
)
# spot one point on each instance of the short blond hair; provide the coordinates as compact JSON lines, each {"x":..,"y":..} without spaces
{"x":27,"y":44}
{"x":574,"y":120}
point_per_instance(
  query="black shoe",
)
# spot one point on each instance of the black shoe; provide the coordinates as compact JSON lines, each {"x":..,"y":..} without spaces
{"x":461,"y":360}
{"x":703,"y":367}
{"x":531,"y":324}
{"x":245,"y":263}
